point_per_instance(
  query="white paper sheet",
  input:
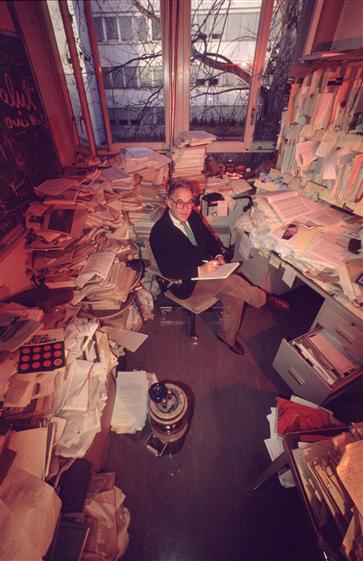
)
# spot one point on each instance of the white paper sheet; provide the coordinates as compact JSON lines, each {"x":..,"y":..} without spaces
{"x":131,"y":340}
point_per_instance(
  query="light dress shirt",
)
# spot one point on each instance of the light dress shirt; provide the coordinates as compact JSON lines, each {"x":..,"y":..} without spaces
{"x":183,"y":227}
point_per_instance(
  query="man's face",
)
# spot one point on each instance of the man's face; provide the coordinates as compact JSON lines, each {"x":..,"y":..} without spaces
{"x":181,"y":196}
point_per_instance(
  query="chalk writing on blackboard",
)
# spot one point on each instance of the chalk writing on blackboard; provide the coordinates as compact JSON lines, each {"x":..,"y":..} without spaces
{"x":27,"y":152}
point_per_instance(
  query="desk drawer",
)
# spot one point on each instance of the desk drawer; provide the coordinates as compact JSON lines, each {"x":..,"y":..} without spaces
{"x":344,"y":326}
{"x":299,"y":375}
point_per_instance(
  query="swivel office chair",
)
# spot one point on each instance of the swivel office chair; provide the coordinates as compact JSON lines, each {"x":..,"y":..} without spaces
{"x":194,"y":306}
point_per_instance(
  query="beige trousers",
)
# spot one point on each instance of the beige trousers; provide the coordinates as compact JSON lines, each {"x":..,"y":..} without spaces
{"x":234,"y":292}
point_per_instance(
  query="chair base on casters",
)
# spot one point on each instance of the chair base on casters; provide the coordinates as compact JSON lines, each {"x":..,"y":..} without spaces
{"x":193,"y":308}
{"x":193,"y":330}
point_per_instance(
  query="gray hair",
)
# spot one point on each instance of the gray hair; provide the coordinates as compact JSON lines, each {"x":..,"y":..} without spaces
{"x":179,"y":183}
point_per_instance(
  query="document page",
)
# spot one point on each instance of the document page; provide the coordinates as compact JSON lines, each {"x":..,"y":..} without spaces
{"x":98,"y":265}
{"x":326,"y":248}
{"x":222,"y":272}
{"x":291,"y":208}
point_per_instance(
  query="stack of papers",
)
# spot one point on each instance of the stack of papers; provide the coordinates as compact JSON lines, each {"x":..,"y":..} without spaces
{"x":137,"y":159}
{"x":130,"y":408}
{"x":118,"y":179}
{"x":97,"y":268}
{"x":72,"y":221}
{"x":312,"y":236}
{"x":188,"y":164}
{"x":82,"y":390}
{"x":144,"y":219}
{"x":195,"y":138}
{"x":109,"y":291}
{"x":189,"y":157}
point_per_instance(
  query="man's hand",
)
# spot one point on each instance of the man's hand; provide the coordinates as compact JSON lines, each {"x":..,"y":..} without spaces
{"x":220,"y":259}
{"x":208,"y":267}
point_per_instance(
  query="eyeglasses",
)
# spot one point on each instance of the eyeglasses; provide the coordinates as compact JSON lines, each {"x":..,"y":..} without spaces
{"x":183,"y":204}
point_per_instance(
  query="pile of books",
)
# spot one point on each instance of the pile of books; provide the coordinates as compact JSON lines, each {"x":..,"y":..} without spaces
{"x":189,"y":157}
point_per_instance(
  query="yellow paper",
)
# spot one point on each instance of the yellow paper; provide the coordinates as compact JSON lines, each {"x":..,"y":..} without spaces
{"x":350,"y":472}
{"x":303,"y":237}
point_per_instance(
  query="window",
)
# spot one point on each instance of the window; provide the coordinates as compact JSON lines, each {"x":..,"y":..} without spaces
{"x":223,"y":49}
{"x":111,"y":29}
{"x":242,"y":26}
{"x":126,"y":28}
{"x":150,"y":76}
{"x":206,"y":71}
{"x":274,"y":90}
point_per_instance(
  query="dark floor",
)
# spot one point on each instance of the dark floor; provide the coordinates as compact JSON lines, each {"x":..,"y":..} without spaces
{"x":198,"y":505}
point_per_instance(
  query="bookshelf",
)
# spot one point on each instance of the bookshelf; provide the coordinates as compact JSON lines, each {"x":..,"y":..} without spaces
{"x":321,"y":137}
{"x":321,"y":146}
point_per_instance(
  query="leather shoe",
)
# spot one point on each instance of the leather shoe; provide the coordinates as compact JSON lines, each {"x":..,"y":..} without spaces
{"x":278,"y":303}
{"x":235,"y":348}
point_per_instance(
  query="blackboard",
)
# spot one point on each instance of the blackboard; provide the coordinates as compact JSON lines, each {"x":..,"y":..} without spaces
{"x":27,"y":151}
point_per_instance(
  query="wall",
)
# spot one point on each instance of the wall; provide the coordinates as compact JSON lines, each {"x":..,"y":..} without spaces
{"x":35,"y":25}
{"x":41,"y":47}
{"x":13,"y":277}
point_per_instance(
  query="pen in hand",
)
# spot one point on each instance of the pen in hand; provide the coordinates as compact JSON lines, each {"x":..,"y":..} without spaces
{"x":210,"y":266}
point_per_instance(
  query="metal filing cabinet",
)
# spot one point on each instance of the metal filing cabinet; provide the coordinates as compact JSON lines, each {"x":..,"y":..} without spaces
{"x":300,"y":376}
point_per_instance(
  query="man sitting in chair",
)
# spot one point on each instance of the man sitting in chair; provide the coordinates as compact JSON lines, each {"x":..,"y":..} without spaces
{"x":185,"y":246}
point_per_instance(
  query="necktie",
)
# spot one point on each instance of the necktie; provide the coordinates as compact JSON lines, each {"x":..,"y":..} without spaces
{"x":189,"y":233}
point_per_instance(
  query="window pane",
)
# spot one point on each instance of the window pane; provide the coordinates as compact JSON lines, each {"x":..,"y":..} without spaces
{"x":250,"y":23}
{"x":141,"y":29}
{"x":274,"y":90}
{"x":126,"y":31}
{"x":130,"y":77}
{"x":118,"y":78}
{"x":99,"y":29}
{"x":156,"y":30}
{"x":158,"y":76}
{"x":79,"y":29}
{"x":223,"y":48}
{"x":134,"y":87}
{"x":111,"y":29}
{"x":234,"y":27}
{"x":107,"y":77}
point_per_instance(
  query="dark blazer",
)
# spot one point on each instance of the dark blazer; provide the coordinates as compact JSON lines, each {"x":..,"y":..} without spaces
{"x":176,"y":256}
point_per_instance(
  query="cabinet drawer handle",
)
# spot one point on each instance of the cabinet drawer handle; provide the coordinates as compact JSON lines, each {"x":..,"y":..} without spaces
{"x":296,"y":376}
{"x":344,"y":335}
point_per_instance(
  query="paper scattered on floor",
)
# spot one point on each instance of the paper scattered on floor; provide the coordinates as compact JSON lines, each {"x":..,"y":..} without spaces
{"x":130,"y":408}
{"x":131,"y":340}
